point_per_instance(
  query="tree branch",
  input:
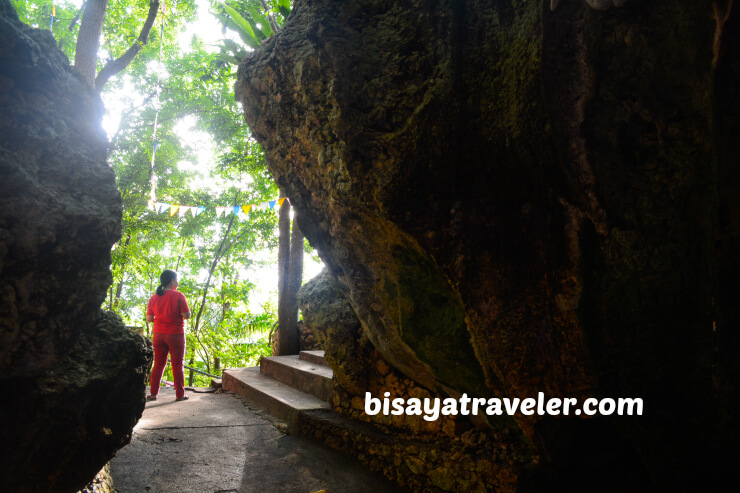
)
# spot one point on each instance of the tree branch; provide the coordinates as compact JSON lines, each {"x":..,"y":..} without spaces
{"x":115,"y":66}
{"x":220,"y":251}
{"x":272,"y":22}
{"x":76,"y":17}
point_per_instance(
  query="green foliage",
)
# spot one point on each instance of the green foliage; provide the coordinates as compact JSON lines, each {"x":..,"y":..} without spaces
{"x":247,"y":33}
{"x":123,"y":23}
{"x":66,"y":22}
{"x":254,"y":20}
{"x":212,"y":255}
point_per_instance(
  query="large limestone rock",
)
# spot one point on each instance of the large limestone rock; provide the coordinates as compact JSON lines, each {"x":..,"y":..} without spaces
{"x":515,"y":199}
{"x":72,"y":377}
{"x":65,"y":425}
{"x":60,"y":210}
{"x":334,"y":324}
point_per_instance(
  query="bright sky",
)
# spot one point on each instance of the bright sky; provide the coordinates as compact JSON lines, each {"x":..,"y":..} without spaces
{"x":208,"y":28}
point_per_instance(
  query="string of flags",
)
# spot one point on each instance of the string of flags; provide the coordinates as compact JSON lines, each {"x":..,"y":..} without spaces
{"x":193,"y":210}
{"x":184,"y":210}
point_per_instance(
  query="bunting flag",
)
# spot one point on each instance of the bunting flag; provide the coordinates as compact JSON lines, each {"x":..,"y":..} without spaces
{"x":180,"y":210}
{"x":183,"y":210}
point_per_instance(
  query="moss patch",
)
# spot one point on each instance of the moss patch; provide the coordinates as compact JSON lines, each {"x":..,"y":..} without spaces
{"x":431,"y":319}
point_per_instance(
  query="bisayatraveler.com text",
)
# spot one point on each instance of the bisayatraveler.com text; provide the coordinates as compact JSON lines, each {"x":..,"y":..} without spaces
{"x":431,"y":408}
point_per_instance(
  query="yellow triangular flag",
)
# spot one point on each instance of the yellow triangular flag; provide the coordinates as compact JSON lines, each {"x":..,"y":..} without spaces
{"x":280,"y":202}
{"x":246,"y":208}
{"x":173,"y":209}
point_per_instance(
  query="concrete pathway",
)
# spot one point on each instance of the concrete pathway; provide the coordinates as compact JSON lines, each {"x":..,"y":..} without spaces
{"x":219,"y":443}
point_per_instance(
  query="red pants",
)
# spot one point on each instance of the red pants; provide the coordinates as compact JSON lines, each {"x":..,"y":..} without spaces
{"x":175,"y":345}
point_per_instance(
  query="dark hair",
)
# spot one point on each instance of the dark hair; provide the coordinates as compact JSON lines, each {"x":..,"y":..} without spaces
{"x":166,"y":278}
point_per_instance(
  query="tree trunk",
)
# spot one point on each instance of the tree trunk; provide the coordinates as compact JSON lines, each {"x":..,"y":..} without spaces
{"x":119,"y":287}
{"x":293,"y":283}
{"x":287,"y":340}
{"x":88,"y":40}
{"x":223,"y":247}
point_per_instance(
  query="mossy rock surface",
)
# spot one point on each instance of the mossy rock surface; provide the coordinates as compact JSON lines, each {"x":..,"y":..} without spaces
{"x":517,"y":200}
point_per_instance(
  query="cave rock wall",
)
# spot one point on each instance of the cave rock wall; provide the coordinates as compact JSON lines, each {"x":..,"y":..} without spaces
{"x":73,"y":376}
{"x":515,"y":199}
{"x":447,"y":453}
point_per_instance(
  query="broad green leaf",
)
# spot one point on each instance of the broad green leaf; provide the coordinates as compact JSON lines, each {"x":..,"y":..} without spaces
{"x":260,"y":18}
{"x":284,"y":8}
{"x":257,"y":29}
{"x":251,"y":39}
{"x":234,"y":48}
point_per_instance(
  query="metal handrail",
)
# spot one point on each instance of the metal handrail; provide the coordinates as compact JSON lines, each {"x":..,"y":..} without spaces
{"x":200,"y":371}
{"x":195,"y":370}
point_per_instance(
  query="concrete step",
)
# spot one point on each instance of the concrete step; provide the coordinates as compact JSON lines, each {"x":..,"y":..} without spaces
{"x":300,"y":374}
{"x":281,"y":400}
{"x":315,"y":356}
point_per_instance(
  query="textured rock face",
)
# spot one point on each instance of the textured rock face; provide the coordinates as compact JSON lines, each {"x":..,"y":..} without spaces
{"x":333,"y":322}
{"x":447,"y":452}
{"x":67,"y":423}
{"x":59,"y":207}
{"x":516,"y":200}
{"x":74,"y":376}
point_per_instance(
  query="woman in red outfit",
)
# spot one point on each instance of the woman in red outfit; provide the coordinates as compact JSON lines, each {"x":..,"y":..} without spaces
{"x":168,"y":309}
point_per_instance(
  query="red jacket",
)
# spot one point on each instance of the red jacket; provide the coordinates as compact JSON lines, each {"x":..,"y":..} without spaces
{"x":167,"y":311}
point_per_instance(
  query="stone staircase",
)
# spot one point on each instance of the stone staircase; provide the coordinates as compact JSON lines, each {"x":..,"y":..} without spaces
{"x":285,"y":386}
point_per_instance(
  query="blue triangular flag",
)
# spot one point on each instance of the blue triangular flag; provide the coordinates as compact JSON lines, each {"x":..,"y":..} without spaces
{"x":237,"y":208}
{"x":272,"y":204}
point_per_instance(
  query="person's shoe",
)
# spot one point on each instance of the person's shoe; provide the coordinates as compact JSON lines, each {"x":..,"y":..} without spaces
{"x":183,"y":398}
{"x":151,"y":397}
